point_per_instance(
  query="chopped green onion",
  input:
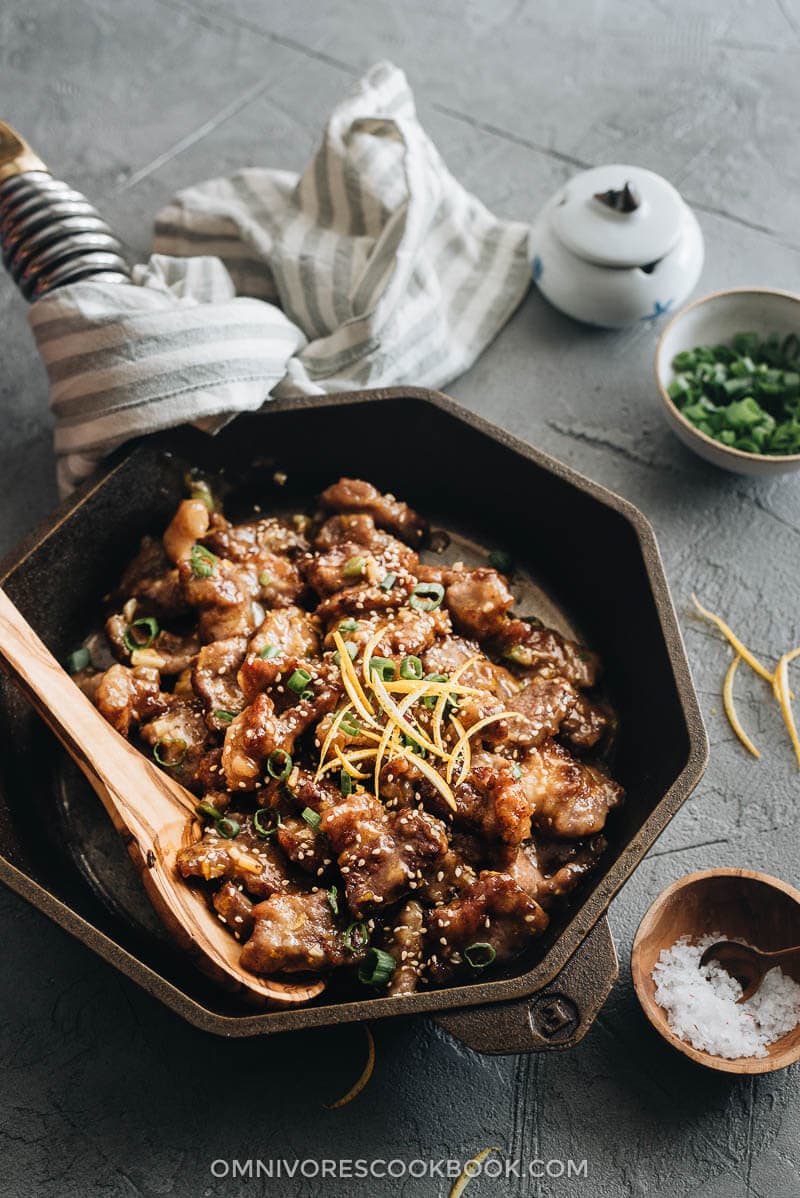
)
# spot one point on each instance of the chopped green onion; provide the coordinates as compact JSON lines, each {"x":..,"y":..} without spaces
{"x":299,"y":680}
{"x":479,"y":955}
{"x":133,"y":641}
{"x":333,"y":899}
{"x":269,"y":651}
{"x":352,"y":650}
{"x":202,"y":561}
{"x":228,"y":827}
{"x":356,"y":936}
{"x":348,"y":626}
{"x":431,"y":700}
{"x":345,"y":783}
{"x":167,"y":742}
{"x":427,"y":596}
{"x":499,"y":560}
{"x":224,"y":717}
{"x":207,"y":809}
{"x":349,"y":725}
{"x":312,"y":818}
{"x":279,"y":764}
{"x":264,"y":579}
{"x":410,"y":667}
{"x":266,"y":822}
{"x":383,"y":667}
{"x":78,"y":660}
{"x":745,"y":395}
{"x":411,"y":744}
{"x":354,"y":567}
{"x":376,"y":968}
{"x":199,"y":489}
{"x":307,"y":694}
{"x":387,"y":582}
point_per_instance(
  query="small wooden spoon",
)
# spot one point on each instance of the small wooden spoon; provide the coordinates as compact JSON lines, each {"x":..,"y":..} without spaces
{"x":748,"y":965}
{"x":151,"y":812}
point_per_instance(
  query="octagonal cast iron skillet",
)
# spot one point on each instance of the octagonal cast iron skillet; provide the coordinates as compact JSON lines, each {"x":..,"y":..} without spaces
{"x":587,"y":562}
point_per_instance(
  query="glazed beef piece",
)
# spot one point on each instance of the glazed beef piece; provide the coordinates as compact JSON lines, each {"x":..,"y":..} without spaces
{"x":127,"y":697}
{"x":295,"y":933}
{"x":235,"y":909}
{"x":214,"y":678}
{"x":382,"y":855}
{"x":494,"y":910}
{"x":548,"y":870}
{"x":256,"y":865}
{"x":354,"y":495}
{"x":406,"y":944}
{"x":589,"y":725}
{"x":479,"y":602}
{"x":493,"y":801}
{"x":364,"y":598}
{"x":543,"y":650}
{"x":179,"y":739}
{"x":166,"y":652}
{"x":152,"y":579}
{"x":250,"y":541}
{"x":448,"y":653}
{"x":569,"y":798}
{"x":305,"y":847}
{"x":359,"y":529}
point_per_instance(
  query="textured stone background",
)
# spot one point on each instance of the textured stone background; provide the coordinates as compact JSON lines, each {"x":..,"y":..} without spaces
{"x":105,"y":1093}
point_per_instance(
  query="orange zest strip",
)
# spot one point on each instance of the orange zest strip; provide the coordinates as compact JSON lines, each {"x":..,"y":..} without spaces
{"x":366,"y":1074}
{"x":730,"y":709}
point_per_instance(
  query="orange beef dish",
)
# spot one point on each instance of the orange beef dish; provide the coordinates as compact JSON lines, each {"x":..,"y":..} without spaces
{"x":395,"y":775}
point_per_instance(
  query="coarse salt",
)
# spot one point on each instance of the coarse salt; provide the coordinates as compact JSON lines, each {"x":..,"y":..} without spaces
{"x":701,"y":1002}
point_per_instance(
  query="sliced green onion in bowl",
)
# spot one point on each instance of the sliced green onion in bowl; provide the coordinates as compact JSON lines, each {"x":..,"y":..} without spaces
{"x":224,"y":717}
{"x":427,"y":596}
{"x":349,"y":725}
{"x":269,"y":651}
{"x":265,"y":579}
{"x":377,"y":968}
{"x":279,"y":764}
{"x":352,"y":650}
{"x":348,"y":626}
{"x":387,"y":582}
{"x":312,"y":817}
{"x":345,"y":783}
{"x":479,"y":955}
{"x":134,"y":641}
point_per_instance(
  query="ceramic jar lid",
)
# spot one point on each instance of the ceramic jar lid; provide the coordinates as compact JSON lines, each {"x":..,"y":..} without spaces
{"x":618,"y":216}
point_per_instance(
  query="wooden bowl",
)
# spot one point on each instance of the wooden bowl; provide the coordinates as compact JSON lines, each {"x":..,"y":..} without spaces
{"x":755,"y":907}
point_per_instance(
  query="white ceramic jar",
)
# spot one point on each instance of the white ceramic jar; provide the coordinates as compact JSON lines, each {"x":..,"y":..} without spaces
{"x":616,"y":245}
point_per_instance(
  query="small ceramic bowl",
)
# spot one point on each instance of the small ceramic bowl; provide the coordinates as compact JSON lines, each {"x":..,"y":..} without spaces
{"x":739,"y":903}
{"x":712,"y":320}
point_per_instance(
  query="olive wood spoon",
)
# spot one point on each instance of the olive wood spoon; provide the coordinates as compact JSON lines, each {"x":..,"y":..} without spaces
{"x":746,"y":964}
{"x":151,"y":811}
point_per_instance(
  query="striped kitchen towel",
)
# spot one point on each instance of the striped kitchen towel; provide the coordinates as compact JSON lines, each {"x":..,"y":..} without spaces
{"x":373,"y":267}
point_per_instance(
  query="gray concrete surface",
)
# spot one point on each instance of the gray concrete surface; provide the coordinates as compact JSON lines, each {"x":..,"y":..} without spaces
{"x":102,"y":1092}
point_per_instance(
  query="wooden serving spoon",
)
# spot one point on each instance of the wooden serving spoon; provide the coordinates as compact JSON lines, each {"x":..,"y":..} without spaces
{"x":150,"y":811}
{"x":748,"y":965}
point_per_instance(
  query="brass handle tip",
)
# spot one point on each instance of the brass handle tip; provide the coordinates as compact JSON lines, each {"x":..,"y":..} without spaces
{"x":16,"y":156}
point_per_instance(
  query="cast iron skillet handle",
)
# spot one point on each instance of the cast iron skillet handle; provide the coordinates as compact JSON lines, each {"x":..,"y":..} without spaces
{"x":557,"y":1017}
